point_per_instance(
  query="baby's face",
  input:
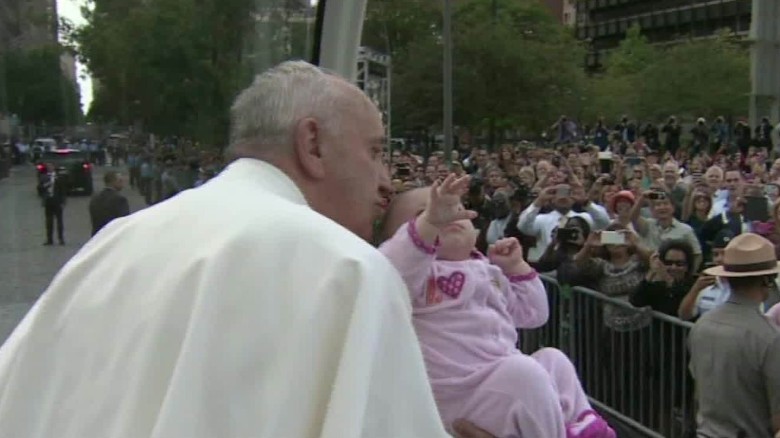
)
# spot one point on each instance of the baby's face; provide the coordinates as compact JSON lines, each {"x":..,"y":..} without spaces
{"x":456,"y":239}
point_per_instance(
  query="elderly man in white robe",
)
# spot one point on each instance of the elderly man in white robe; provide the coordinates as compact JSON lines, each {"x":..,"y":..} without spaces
{"x":247,"y":307}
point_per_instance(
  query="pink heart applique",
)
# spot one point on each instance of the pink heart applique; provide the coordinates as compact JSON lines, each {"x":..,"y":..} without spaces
{"x":452,"y":285}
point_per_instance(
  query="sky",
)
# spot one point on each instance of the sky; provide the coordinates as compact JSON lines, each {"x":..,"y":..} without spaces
{"x":71,"y":9}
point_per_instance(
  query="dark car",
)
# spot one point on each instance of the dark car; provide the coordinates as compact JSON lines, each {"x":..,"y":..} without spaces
{"x":71,"y":164}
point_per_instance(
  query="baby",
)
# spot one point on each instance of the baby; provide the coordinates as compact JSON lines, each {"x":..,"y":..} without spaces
{"x":466,"y":307}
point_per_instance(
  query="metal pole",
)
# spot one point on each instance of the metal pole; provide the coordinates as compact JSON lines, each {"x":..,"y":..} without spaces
{"x":389,"y":101}
{"x":765,"y":58}
{"x":447,"y":81}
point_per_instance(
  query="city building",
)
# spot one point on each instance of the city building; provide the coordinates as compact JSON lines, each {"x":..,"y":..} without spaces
{"x":68,"y":66}
{"x":564,"y":10}
{"x":26,"y":24}
{"x":603,"y":23}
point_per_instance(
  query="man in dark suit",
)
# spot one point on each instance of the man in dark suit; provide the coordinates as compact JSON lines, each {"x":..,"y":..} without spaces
{"x":108,"y":204}
{"x":53,"y":189}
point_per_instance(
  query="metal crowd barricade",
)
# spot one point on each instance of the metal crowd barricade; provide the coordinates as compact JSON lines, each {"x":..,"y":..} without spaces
{"x":639,"y":376}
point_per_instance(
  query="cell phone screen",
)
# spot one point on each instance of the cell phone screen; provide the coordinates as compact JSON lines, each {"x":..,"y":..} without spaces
{"x":657,"y":196}
{"x":613,"y":238}
{"x":605,"y":166}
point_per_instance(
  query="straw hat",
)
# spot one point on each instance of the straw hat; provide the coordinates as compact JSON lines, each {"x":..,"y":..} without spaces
{"x":747,"y":255}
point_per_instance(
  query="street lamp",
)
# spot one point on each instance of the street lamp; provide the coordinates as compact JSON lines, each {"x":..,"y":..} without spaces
{"x":447,"y":81}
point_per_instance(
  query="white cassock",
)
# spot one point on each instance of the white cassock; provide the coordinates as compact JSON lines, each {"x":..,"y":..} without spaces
{"x":232,"y":310}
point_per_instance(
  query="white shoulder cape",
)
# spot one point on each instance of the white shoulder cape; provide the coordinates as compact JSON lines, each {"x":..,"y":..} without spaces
{"x":231,"y":310}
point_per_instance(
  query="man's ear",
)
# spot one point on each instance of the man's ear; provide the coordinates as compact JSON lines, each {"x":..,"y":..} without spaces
{"x":307,"y":144}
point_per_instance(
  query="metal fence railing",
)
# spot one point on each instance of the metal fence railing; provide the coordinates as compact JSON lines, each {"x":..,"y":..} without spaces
{"x":639,"y":375}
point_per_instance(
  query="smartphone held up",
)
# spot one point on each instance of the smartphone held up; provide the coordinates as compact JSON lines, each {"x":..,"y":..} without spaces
{"x":612,"y":238}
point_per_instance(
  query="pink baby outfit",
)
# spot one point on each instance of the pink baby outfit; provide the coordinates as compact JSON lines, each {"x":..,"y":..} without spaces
{"x":465,"y":314}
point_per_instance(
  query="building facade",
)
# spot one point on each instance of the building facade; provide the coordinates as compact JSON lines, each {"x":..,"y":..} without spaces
{"x":26,"y":24}
{"x":563,"y":10}
{"x":603,"y":23}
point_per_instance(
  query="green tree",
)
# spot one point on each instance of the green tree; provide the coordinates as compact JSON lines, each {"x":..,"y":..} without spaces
{"x":518,"y":67}
{"x":504,"y":53}
{"x":707,"y":77}
{"x":391,"y":26}
{"x":698,"y":78}
{"x":409,"y":31}
{"x":36,"y":90}
{"x":617,"y":90}
{"x":173,"y":65}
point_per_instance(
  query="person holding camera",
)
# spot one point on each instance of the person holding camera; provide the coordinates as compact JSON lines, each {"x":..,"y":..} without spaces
{"x":669,"y":279}
{"x":559,"y":256}
{"x":541,"y":226}
{"x":735,"y":349}
{"x":500,"y":210}
{"x":477,"y":200}
{"x":663,"y":225}
{"x":619,"y":261}
{"x":672,"y":132}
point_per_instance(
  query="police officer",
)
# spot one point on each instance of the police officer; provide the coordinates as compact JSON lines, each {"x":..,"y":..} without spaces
{"x":735,"y":349}
{"x":53,"y":190}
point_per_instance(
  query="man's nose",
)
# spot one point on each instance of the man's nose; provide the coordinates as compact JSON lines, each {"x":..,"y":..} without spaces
{"x":385,"y":184}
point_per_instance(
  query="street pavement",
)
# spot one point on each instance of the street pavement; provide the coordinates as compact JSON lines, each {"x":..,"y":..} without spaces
{"x":26,"y":266}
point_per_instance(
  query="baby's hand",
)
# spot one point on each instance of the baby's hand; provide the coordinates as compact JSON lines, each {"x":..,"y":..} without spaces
{"x":444,"y":203}
{"x":507,"y":254}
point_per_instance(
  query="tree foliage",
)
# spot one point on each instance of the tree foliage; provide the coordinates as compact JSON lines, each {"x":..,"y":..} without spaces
{"x":707,"y":77}
{"x":616,"y":91}
{"x":504,"y":53}
{"x":36,"y":89}
{"x":173,"y":65}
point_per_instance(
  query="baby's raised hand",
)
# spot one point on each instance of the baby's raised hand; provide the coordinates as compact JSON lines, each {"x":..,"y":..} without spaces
{"x":444,"y":202}
{"x":507,"y":254}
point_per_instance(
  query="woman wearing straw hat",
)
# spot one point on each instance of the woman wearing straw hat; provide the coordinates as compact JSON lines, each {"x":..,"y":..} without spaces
{"x":735,"y":350}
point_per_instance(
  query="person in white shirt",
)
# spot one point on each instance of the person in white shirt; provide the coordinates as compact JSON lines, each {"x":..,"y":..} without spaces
{"x":663,"y":225}
{"x":251,"y":307}
{"x":720,"y":202}
{"x":541,"y":226}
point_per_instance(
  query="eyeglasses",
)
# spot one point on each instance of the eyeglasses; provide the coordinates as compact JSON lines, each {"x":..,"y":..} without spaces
{"x":679,"y":263}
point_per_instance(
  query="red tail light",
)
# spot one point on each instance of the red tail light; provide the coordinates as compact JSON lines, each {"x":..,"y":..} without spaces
{"x":87,"y":166}
{"x":40,"y":167}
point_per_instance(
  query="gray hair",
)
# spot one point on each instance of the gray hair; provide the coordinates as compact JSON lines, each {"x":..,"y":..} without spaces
{"x":265,"y":114}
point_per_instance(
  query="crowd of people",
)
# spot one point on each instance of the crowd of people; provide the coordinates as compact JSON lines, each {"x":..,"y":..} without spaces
{"x":559,"y":202}
{"x":254,"y":305}
{"x":160,"y":173}
{"x":637,"y":223}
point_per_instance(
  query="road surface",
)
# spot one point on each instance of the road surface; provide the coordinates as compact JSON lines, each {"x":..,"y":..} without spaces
{"x":26,"y":266}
